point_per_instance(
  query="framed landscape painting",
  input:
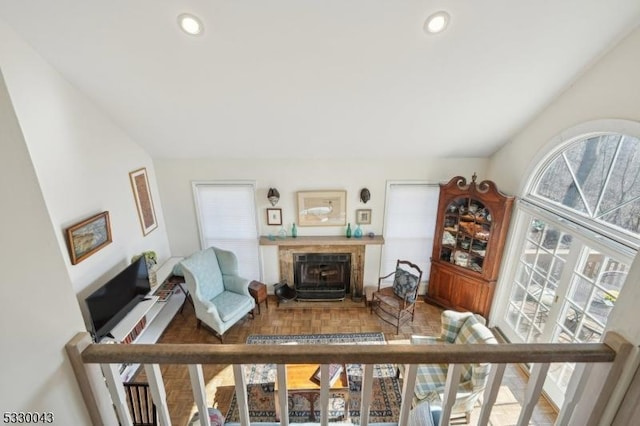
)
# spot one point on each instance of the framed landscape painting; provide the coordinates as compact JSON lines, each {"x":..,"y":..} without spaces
{"x":322,"y":208}
{"x":144,"y":203}
{"x":89,"y":236}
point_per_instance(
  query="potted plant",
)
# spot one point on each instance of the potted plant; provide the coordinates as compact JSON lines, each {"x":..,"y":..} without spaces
{"x":151,"y":259}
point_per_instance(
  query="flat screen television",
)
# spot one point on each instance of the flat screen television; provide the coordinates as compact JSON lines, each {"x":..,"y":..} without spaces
{"x":109,"y":304}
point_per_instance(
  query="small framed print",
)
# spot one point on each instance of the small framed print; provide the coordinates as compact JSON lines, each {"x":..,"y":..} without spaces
{"x":363,"y":216}
{"x":274,"y":216}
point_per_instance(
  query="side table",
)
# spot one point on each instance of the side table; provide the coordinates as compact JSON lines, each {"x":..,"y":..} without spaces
{"x":259,"y":292}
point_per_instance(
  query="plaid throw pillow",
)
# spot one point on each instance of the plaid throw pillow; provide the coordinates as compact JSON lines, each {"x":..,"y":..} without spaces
{"x":405,"y":284}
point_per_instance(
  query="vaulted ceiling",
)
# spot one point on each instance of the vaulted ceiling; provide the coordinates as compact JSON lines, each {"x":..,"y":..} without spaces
{"x":320,"y":79}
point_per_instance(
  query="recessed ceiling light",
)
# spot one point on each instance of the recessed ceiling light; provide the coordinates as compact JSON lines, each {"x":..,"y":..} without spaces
{"x":437,"y":22}
{"x":190,"y":24}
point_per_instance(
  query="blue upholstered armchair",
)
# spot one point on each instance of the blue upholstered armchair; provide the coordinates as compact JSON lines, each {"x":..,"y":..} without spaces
{"x":220,"y":297}
{"x":456,"y":328}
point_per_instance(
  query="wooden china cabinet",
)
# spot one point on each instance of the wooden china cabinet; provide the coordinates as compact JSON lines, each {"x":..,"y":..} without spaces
{"x":471,"y":228}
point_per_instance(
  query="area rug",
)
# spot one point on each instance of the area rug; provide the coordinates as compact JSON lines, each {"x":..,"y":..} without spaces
{"x":385,"y":406}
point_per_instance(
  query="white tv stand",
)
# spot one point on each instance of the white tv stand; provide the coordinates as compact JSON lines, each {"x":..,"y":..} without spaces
{"x":155,"y":316}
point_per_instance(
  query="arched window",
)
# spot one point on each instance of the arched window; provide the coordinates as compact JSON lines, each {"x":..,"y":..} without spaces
{"x":575,"y":233}
{"x":597,"y":181}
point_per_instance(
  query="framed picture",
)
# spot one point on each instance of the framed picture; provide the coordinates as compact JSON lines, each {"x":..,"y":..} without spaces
{"x":144,"y":203}
{"x":88,"y":236}
{"x":363,"y":216}
{"x":274,"y":216}
{"x":322,"y":208}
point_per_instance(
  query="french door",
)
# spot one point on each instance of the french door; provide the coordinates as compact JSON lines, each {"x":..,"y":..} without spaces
{"x":564,"y":283}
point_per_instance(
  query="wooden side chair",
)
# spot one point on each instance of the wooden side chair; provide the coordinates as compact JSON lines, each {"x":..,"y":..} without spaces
{"x":141,"y":406}
{"x":396,"y":304}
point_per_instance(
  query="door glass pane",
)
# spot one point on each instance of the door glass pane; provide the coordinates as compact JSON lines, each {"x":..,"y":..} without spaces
{"x":595,"y":285}
{"x":540,"y":267}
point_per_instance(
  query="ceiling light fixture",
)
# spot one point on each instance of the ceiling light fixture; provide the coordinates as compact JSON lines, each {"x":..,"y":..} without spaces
{"x":190,"y":24}
{"x":437,"y":22}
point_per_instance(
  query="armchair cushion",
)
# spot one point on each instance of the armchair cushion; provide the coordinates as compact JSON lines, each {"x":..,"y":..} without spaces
{"x":229,"y":304}
{"x":405,"y":284}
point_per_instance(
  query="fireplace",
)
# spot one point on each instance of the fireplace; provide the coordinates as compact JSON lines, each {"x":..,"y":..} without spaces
{"x":353,"y":248}
{"x":322,"y":276}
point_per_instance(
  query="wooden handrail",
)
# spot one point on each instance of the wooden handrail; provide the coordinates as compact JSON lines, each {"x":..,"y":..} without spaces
{"x":615,"y":350}
{"x":364,"y":354}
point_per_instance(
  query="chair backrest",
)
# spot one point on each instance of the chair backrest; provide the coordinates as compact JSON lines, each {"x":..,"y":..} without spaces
{"x":227,"y":260}
{"x":202,"y":274}
{"x":473,"y":331}
{"x":141,"y":406}
{"x":451,"y":322}
{"x":407,"y":280}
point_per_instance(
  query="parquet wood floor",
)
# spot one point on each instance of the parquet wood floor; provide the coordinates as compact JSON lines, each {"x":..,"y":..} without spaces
{"x":314,"y":318}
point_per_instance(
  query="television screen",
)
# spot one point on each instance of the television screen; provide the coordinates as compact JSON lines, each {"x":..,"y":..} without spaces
{"x":110,"y":303}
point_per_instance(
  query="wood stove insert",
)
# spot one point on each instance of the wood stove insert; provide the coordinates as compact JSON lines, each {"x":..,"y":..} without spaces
{"x":322,"y":276}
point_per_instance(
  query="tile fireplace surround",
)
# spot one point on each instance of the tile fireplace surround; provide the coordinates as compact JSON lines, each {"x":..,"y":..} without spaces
{"x":289,"y":246}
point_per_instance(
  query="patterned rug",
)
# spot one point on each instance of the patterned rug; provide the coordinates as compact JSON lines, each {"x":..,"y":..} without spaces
{"x":385,"y":406}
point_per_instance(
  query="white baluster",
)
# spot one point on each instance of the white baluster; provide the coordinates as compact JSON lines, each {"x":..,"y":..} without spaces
{"x":491,"y":392}
{"x":574,"y":392}
{"x":114,"y":383}
{"x":324,"y":394}
{"x":408,"y":389}
{"x":533,"y":391}
{"x":282,"y":394}
{"x":241,"y":393}
{"x":199,"y":393}
{"x":366,"y":394}
{"x":156,"y":385}
{"x":450,"y":391}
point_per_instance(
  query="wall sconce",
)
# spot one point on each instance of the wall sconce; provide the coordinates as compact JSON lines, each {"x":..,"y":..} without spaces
{"x":365,"y":195}
{"x":274,"y":196}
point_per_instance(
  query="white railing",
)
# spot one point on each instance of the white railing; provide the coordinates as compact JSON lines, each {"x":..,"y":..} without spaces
{"x":86,"y":356}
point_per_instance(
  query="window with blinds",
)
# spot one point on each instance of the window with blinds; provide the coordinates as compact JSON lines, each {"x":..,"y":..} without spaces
{"x":227,"y":219}
{"x":409,"y":225}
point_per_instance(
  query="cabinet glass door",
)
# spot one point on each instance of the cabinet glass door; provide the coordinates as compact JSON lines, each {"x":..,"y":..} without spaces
{"x":467,"y":228}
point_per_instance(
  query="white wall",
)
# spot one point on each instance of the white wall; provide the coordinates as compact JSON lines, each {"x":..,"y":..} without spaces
{"x":289,"y":176}
{"x":82,"y":161}
{"x":63,"y":161}
{"x":608,"y":90}
{"x":38,"y":309}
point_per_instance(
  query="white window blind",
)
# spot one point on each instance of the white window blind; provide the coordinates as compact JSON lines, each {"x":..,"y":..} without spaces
{"x":409,"y":225}
{"x":227,"y":220}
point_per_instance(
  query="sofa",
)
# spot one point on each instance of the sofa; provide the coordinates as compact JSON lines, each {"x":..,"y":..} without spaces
{"x":220,"y":297}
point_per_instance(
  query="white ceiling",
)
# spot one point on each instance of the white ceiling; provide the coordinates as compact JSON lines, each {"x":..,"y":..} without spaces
{"x":321,"y":78}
